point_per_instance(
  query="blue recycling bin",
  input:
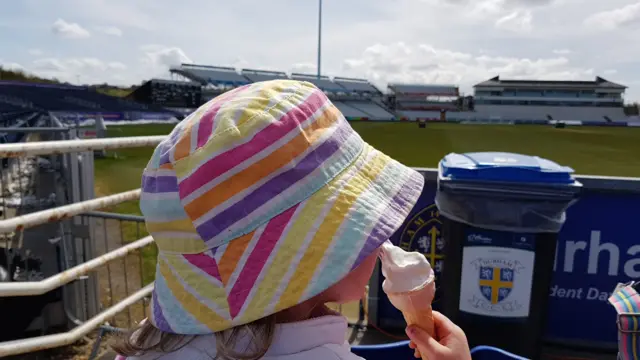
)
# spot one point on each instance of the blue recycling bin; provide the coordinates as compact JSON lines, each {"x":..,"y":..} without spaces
{"x":501,"y":215}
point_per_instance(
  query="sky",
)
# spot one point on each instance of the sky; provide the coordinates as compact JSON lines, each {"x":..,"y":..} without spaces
{"x":459,"y":42}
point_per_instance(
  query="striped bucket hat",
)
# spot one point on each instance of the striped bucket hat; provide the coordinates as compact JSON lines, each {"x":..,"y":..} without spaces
{"x":261,"y":199}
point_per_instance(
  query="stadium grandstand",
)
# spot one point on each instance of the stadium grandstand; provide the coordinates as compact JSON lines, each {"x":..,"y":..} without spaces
{"x":221,"y":77}
{"x":357,"y":86}
{"x":65,"y":100}
{"x":263,"y":75}
{"x":599,"y":100}
{"x":424,"y":102}
{"x":322,"y":82}
{"x":358,"y":99}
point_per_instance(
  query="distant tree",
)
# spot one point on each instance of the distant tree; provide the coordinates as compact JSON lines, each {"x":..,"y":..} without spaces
{"x":19,"y":75}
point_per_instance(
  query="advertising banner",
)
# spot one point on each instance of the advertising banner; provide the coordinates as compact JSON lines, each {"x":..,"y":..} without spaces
{"x":598,"y":248}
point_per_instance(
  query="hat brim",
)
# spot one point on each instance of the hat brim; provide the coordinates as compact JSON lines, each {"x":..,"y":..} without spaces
{"x":295,"y":256}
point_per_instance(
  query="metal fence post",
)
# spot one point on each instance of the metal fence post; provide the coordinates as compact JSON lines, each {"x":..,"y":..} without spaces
{"x":88,"y":192}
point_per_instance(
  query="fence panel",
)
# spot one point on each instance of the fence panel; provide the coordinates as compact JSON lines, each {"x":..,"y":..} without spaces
{"x":62,"y":266}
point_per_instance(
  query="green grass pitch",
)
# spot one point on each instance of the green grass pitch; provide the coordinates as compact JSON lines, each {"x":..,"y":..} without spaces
{"x":609,"y":151}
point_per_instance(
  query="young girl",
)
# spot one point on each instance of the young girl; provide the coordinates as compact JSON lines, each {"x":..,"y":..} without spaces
{"x":265,"y":205}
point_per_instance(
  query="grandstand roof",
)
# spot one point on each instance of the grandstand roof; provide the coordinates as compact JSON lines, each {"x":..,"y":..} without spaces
{"x":216,"y":75}
{"x":598,"y":82}
{"x":322,"y":82}
{"x":263,"y":75}
{"x":423,"y":89}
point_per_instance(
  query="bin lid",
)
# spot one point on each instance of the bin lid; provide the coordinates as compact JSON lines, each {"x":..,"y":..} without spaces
{"x":504,"y":167}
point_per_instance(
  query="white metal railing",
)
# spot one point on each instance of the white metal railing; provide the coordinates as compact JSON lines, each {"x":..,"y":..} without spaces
{"x":31,"y":288}
{"x":69,"y":146}
{"x":65,"y":212}
{"x":19,"y":223}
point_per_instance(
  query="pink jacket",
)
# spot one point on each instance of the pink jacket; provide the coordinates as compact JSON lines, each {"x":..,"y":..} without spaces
{"x":322,"y":338}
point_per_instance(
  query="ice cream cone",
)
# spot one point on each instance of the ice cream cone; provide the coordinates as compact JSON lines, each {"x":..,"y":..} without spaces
{"x":416,"y":307}
{"x":410,"y":285}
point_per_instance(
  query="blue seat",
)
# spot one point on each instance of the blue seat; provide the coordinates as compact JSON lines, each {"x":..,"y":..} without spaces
{"x":493,"y":353}
{"x":398,"y":350}
{"x":401,"y":351}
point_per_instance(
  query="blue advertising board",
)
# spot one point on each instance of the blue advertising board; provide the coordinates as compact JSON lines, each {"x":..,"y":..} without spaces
{"x":115,"y":116}
{"x":82,"y":116}
{"x":598,"y":247}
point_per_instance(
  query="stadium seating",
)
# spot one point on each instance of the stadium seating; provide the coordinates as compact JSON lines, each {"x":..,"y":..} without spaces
{"x":516,"y":112}
{"x":356,"y":85}
{"x":215,"y":75}
{"x":355,"y":97}
{"x":263,"y":75}
{"x":363,"y":110}
{"x":374,"y":111}
{"x":349,"y":111}
{"x":322,"y":82}
{"x":64,"y":98}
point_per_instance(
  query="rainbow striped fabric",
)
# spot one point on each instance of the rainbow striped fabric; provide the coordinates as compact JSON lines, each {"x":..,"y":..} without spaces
{"x":626,"y":301}
{"x":261,"y":199}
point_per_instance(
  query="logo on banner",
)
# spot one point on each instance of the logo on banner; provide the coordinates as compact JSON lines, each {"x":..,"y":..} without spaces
{"x":422,"y":233}
{"x":496,"y":283}
{"x":496,"y":279}
{"x":479,"y":238}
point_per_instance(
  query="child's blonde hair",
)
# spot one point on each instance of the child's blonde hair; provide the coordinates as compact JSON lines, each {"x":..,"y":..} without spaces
{"x":147,"y":337}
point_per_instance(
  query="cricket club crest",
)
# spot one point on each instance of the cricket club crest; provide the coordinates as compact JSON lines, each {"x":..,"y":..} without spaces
{"x":422,"y":233}
{"x":496,"y":282}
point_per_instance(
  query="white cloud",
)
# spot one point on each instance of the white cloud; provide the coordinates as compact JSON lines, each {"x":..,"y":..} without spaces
{"x":517,"y":21}
{"x":69,"y":30}
{"x":486,"y":7}
{"x":610,"y":72}
{"x":500,"y":4}
{"x":241,"y":63}
{"x":109,"y":30}
{"x":497,"y":7}
{"x":115,"y":65}
{"x":423,"y":63}
{"x":615,"y":18}
{"x":35,"y":52}
{"x":383,"y":39}
{"x":89,"y":70}
{"x":160,"y":56}
{"x":304,"y":68}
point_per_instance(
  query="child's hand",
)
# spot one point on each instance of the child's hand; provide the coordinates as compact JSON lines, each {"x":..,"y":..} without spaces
{"x":451,"y":343}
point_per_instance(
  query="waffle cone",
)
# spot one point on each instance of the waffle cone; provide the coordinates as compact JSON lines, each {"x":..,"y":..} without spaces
{"x":416,"y":307}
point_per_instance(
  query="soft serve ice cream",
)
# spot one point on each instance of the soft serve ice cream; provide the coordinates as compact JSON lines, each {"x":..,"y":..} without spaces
{"x":404,"y":271}
{"x":410,"y":284}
